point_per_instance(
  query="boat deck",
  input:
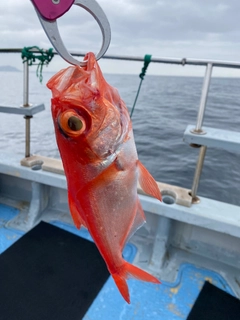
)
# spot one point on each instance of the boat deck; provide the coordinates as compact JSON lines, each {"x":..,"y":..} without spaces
{"x":170,"y":300}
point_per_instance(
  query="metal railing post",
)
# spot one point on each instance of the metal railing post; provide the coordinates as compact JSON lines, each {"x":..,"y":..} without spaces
{"x":198,"y":130}
{"x":26,"y":104}
{"x":197,"y":175}
{"x":203,"y":101}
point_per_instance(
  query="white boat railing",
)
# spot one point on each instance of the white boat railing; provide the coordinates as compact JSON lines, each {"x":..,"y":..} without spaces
{"x":179,"y":61}
{"x":191,"y":136}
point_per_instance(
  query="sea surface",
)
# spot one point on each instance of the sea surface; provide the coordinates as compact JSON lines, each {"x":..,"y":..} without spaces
{"x":165,"y":107}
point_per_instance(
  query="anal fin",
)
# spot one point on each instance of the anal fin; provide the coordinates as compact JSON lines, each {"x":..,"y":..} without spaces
{"x":138,"y":221}
{"x":147,"y":182}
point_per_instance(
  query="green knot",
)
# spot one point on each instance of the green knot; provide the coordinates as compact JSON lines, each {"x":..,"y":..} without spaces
{"x":31,"y":54}
{"x":147,"y":60}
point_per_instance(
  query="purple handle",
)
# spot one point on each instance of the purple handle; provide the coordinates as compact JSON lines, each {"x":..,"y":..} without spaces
{"x":52,"y":9}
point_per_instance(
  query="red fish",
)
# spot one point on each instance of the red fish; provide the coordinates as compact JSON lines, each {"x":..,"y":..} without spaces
{"x":95,"y":140}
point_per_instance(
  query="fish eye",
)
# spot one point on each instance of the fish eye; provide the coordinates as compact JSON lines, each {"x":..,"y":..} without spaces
{"x":75,"y":123}
{"x":71,"y":123}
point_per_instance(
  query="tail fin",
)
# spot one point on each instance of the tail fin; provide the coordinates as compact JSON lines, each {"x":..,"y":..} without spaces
{"x":121,"y":283}
{"x":130,"y":271}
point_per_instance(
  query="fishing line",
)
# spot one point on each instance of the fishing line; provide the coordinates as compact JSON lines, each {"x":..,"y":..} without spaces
{"x":147,"y":60}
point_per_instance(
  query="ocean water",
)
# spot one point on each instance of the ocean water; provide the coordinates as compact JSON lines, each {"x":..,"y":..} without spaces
{"x":165,"y":107}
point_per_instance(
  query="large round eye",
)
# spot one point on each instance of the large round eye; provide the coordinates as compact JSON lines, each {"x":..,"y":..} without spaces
{"x":71,"y":123}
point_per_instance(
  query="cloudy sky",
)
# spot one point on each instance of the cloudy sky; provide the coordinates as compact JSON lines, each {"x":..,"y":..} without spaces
{"x":204,"y":29}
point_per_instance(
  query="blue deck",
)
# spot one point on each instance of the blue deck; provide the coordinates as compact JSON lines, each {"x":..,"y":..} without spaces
{"x":168,"y":301}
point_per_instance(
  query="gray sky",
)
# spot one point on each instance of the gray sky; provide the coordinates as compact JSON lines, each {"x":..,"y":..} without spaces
{"x":204,"y":29}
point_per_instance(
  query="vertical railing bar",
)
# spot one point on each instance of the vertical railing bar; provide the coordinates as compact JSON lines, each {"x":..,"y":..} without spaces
{"x":204,"y":96}
{"x":26,"y":104}
{"x":198,"y":130}
{"x":27,"y":136}
{"x":25,"y":84}
{"x":197,"y":175}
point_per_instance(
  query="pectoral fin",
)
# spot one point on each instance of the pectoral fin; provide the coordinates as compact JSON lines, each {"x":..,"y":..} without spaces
{"x":75,"y":213}
{"x":147,"y":182}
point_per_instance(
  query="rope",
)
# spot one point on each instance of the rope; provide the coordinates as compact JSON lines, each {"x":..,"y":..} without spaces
{"x":44,"y":57}
{"x":147,"y":60}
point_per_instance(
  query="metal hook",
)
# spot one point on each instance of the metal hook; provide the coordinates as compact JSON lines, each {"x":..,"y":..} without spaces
{"x":50,"y":27}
